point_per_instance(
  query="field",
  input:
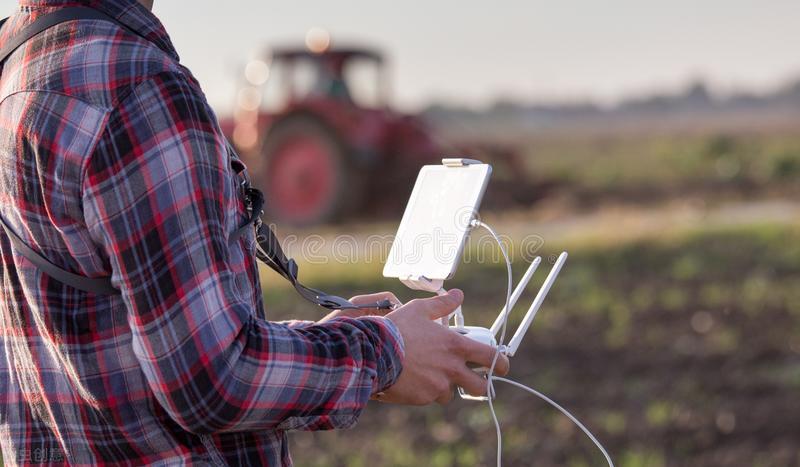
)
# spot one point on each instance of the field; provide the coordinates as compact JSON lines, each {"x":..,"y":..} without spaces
{"x":673,"y":332}
{"x":743,"y":164}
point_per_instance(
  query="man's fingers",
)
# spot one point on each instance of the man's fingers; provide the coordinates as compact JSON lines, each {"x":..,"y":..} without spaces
{"x":483,"y":355}
{"x":471,"y":382}
{"x":373,"y":298}
{"x":443,"y":305}
{"x":445,"y":397}
{"x":369,"y":299}
{"x":503,"y":365}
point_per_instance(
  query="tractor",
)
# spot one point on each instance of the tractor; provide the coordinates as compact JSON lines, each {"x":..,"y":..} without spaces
{"x":319,"y":138}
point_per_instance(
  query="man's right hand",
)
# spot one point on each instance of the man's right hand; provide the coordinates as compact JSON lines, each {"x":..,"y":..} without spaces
{"x":435,"y":356}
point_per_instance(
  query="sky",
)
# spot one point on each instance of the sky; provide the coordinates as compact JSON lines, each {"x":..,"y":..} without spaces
{"x":474,"y":52}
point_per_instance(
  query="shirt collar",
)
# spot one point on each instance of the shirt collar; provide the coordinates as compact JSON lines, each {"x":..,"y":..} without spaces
{"x":131,"y":13}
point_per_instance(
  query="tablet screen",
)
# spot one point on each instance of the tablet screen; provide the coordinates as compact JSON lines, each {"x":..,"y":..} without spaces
{"x":435,"y":224}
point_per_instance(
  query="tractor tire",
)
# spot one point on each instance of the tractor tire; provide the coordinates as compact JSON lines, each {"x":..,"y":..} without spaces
{"x":307,"y":176}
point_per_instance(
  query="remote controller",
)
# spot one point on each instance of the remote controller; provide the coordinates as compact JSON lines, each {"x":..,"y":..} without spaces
{"x":487,"y":336}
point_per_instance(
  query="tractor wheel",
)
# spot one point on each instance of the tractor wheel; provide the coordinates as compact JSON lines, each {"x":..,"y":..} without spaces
{"x":307,"y":178}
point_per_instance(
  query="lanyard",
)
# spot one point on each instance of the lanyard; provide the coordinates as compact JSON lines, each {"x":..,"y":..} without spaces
{"x":269,"y":252}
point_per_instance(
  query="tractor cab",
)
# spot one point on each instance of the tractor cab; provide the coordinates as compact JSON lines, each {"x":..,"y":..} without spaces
{"x":349,"y":76}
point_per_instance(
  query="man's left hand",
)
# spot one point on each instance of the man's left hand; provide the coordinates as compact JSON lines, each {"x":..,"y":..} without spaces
{"x":364,"y":300}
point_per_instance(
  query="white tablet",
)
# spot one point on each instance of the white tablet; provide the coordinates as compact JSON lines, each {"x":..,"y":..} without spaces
{"x":435,"y":224}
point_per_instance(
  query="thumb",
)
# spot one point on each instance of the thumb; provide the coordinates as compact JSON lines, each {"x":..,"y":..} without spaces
{"x":443,"y":305}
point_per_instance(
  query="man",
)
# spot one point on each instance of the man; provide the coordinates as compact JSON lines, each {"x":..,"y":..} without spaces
{"x":112,"y":163}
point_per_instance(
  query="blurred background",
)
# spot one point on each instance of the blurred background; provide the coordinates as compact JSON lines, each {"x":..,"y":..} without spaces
{"x":658,"y":143}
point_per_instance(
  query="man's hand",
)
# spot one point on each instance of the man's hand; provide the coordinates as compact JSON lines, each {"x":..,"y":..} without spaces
{"x":435,"y":356}
{"x":363,"y":300}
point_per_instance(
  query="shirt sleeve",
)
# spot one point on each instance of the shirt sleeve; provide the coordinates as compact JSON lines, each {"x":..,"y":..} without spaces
{"x":160,"y":200}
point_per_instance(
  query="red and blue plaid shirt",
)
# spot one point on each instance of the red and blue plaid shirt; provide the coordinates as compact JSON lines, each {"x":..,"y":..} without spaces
{"x":112,"y":163}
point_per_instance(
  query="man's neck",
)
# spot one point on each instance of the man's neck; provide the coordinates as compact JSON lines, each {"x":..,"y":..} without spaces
{"x":147,"y":4}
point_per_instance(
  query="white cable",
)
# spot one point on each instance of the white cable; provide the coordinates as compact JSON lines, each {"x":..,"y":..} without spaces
{"x":489,"y":375}
{"x":459,"y":318}
{"x":562,"y":410}
{"x":490,"y":378}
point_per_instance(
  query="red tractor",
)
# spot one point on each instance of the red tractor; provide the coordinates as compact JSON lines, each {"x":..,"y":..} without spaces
{"x":329,"y":147}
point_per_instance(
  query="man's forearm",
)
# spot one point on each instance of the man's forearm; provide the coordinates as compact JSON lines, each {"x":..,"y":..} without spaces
{"x":270,"y":375}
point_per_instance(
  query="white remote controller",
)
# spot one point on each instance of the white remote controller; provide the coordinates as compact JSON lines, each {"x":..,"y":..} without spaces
{"x":487,"y":336}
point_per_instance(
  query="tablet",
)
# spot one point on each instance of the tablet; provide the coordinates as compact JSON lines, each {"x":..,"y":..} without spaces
{"x":434,"y":227}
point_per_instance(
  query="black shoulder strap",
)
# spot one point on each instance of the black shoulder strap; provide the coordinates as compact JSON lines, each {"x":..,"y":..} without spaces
{"x":101,"y":286}
{"x":48,"y":21}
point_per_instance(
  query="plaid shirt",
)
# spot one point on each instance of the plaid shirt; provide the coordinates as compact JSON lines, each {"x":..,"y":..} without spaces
{"x":112,"y":163}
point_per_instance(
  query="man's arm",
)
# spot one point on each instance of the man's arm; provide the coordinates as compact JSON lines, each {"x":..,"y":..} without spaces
{"x":157,"y":198}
